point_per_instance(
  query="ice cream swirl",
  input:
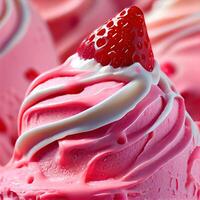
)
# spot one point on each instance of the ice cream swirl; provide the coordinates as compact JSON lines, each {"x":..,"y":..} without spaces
{"x":176,"y":41}
{"x":14,"y":19}
{"x":166,"y":31}
{"x":127,"y":105}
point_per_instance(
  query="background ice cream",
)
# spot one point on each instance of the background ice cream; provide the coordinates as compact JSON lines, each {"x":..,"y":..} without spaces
{"x":174,"y":29}
{"x":25,"y":39}
{"x":26,"y":50}
{"x":100,"y":132}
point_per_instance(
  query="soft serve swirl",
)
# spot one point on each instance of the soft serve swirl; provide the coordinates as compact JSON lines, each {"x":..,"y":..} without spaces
{"x":166,"y":31}
{"x":139,"y":83}
{"x":97,"y":133}
{"x":132,"y":96}
{"x":14,"y":19}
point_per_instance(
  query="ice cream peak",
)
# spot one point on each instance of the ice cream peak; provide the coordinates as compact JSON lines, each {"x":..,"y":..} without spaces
{"x":121,"y":42}
{"x":136,"y":82}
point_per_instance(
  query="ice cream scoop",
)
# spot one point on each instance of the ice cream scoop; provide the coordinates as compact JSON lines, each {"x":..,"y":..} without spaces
{"x":26,"y":50}
{"x":176,"y":41}
{"x":105,"y":125}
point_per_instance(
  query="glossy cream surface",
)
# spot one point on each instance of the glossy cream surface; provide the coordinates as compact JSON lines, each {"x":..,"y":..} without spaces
{"x":94,"y":132}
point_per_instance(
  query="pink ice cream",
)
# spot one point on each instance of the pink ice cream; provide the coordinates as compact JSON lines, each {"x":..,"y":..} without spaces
{"x":145,"y":5}
{"x":26,"y":50}
{"x":96,"y":132}
{"x":174,"y":29}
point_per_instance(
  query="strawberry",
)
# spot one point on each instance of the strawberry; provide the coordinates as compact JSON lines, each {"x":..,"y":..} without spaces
{"x":121,"y":42}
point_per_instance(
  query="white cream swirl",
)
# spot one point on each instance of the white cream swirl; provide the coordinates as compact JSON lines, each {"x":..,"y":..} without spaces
{"x":178,"y":19}
{"x":107,"y":111}
{"x":13,"y":23}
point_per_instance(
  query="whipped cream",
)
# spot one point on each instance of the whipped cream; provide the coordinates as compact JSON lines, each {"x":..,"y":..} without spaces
{"x":183,"y":23}
{"x":110,"y":110}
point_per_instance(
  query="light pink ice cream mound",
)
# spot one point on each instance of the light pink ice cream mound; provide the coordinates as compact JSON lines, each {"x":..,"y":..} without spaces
{"x":26,"y":50}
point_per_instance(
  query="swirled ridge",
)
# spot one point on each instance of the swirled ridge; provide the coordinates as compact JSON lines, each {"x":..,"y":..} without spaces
{"x":176,"y":40}
{"x":167,"y":30}
{"x":26,"y":50}
{"x":111,"y":132}
{"x":13,"y":22}
{"x":122,"y":95}
{"x":137,"y":87}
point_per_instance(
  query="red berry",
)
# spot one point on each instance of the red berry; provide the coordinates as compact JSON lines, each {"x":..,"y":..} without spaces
{"x":3,"y":127}
{"x":121,"y":42}
{"x":168,"y":68}
{"x":31,"y":74}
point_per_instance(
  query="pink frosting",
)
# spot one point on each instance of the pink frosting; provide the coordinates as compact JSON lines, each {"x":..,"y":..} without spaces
{"x":176,"y":41}
{"x":26,"y":50}
{"x":118,"y":161}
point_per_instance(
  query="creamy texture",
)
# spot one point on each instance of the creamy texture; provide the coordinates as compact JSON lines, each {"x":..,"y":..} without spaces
{"x":139,"y":85}
{"x":26,"y":50}
{"x":94,"y":132}
{"x":97,"y":133}
{"x":14,"y":20}
{"x":122,"y":102}
{"x":176,"y":40}
{"x":174,"y":28}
